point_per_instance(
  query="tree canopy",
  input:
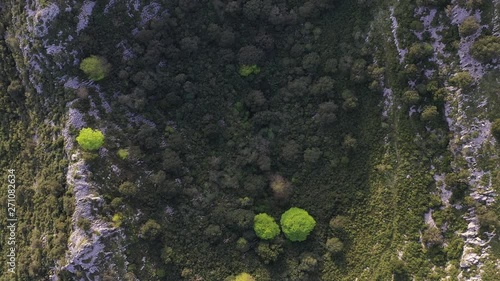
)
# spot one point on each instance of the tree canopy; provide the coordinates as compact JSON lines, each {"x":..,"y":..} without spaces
{"x":265,"y":227}
{"x":296,"y":224}
{"x":90,"y":139}
{"x":96,"y":68}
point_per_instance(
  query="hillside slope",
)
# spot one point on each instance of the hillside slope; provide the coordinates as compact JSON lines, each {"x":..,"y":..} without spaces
{"x":374,"y":116}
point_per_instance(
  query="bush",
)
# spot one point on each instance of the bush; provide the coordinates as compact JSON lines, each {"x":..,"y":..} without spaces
{"x":486,"y":49}
{"x":244,"y":277}
{"x":296,"y":224}
{"x":265,"y":227}
{"x":96,"y":68}
{"x":90,"y":139}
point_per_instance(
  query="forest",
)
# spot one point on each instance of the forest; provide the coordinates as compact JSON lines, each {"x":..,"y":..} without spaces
{"x":251,"y":140}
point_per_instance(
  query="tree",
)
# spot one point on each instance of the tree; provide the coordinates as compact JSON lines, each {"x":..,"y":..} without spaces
{"x":338,"y":222}
{"x":256,"y":101}
{"x":350,"y":100}
{"x":430,"y":113}
{"x":462,"y":79}
{"x":486,"y":49}
{"x":246,"y":70}
{"x":296,"y":224}
{"x":312,"y":155}
{"x":468,"y":27}
{"x":495,"y":129}
{"x":280,"y":186}
{"x":334,"y":245}
{"x":419,"y":52}
{"x":411,"y":97}
{"x":250,"y":55}
{"x":95,"y":67}
{"x":311,"y":61}
{"x":150,"y":229}
{"x":244,"y":277}
{"x":432,"y":236}
{"x":90,"y":139}
{"x":326,"y":113}
{"x":128,"y":189}
{"x":322,"y":86}
{"x":265,"y":227}
{"x":122,"y":153}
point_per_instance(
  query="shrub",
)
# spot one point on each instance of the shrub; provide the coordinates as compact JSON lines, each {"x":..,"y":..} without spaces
{"x":90,"y":139}
{"x":244,"y":277}
{"x":96,"y":68}
{"x":486,"y":48}
{"x":296,"y":224}
{"x":265,"y":227}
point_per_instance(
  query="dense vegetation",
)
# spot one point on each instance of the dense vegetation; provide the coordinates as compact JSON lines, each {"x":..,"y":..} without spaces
{"x":248,"y":109}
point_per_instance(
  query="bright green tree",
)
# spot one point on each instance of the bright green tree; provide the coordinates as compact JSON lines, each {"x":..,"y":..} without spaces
{"x":265,"y":227}
{"x":244,"y":277}
{"x":246,"y":70}
{"x":96,"y":68}
{"x":123,"y":153}
{"x":296,"y":224}
{"x":90,"y":139}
